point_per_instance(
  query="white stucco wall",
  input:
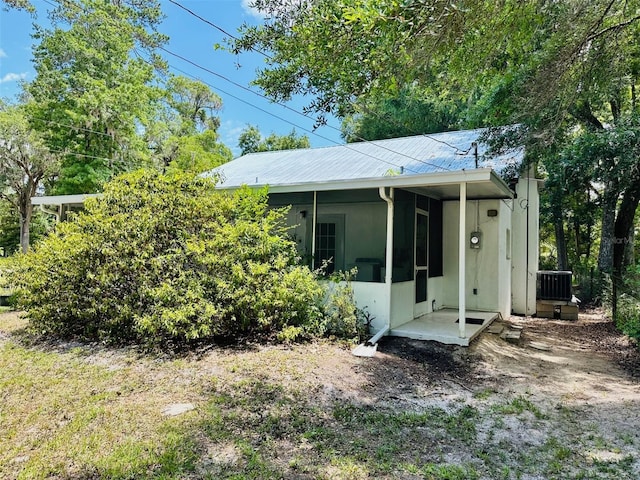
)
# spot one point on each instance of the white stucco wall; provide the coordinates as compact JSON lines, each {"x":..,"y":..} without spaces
{"x":525,"y":238}
{"x":505,"y":256}
{"x":487,"y":268}
{"x":299,"y":226}
{"x":435,"y":293}
{"x":402,"y":302}
{"x":373,"y":297}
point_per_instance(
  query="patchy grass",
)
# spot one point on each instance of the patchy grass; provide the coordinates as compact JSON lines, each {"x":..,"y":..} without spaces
{"x":83,"y":411}
{"x":517,"y":406}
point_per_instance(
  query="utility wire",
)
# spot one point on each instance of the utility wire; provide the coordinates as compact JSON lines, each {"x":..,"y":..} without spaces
{"x":208,"y":22}
{"x":212,"y":24}
{"x":71,"y":127}
{"x":203,"y":68}
{"x":347,"y":146}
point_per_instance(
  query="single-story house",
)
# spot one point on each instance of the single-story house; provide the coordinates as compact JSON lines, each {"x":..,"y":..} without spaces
{"x":441,"y":243}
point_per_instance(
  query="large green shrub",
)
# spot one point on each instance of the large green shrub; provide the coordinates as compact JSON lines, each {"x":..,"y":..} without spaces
{"x":168,"y":258}
{"x":628,"y":313}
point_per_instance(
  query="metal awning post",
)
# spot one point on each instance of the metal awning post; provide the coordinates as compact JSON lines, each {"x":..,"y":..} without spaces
{"x":313,"y":229}
{"x":462,"y":270}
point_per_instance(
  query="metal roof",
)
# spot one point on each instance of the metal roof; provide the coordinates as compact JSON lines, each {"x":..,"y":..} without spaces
{"x":418,"y":155}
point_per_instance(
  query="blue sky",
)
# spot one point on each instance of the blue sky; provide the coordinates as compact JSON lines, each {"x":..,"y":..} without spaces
{"x":194,"y":40}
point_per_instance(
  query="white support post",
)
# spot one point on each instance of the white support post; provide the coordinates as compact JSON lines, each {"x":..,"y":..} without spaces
{"x":313,"y":230}
{"x":389,"y":248}
{"x":388,"y":276}
{"x":462,"y":250}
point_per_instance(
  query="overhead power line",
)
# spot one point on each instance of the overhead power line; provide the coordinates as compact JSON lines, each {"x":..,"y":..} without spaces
{"x":458,"y":150}
{"x":311,"y":132}
{"x":212,"y":72}
{"x":208,"y":22}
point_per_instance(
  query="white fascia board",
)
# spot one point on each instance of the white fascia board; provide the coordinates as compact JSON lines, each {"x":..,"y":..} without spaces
{"x":63,"y":199}
{"x":480,"y":175}
{"x":501,"y":184}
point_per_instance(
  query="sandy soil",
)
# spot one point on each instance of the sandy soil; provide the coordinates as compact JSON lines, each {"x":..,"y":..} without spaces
{"x":573,"y":383}
{"x":584,"y":367}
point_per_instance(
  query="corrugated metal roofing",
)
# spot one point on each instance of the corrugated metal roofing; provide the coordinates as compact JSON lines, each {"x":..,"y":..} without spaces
{"x":422,"y":154}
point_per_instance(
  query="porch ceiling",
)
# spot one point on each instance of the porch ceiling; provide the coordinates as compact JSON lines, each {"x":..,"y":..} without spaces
{"x":452,"y":192}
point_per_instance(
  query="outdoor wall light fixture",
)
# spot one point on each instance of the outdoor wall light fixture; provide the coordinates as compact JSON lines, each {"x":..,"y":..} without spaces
{"x":475,"y":239}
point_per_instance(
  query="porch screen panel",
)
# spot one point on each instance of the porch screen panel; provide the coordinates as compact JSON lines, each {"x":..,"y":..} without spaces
{"x":403,"y":236}
{"x":435,"y":238}
{"x":422,"y":225}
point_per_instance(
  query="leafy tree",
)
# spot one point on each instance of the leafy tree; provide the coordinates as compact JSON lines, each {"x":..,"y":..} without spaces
{"x":185,"y":135}
{"x":498,"y":55}
{"x":25,"y":164}
{"x":194,"y":103}
{"x":10,"y":228}
{"x":19,"y":4}
{"x":410,"y":112}
{"x":130,"y":269}
{"x":251,"y":141}
{"x":565,"y":71}
{"x":197,"y":153}
{"x":92,"y":93}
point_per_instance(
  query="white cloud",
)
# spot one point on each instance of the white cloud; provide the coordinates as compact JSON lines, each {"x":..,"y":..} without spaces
{"x":253,"y":11}
{"x":3,"y":54}
{"x":13,"y":77}
{"x":230,"y":131}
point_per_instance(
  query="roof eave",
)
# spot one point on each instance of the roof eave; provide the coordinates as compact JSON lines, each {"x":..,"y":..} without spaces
{"x":480,"y":175}
{"x":63,"y":199}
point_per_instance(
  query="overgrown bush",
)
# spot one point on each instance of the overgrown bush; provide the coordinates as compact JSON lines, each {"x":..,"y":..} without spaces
{"x":342,"y":316}
{"x":169,"y":258}
{"x":628,"y":314}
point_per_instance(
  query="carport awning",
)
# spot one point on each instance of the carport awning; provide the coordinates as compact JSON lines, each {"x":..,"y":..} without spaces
{"x":57,"y":200}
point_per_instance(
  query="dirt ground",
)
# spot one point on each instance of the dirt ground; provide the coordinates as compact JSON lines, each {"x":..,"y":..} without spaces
{"x":565,"y":397}
{"x":583,"y":362}
{"x":585,"y":367}
{"x":573,"y":384}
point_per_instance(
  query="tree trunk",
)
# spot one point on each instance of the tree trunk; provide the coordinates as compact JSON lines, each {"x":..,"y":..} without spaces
{"x":561,"y":245}
{"x":621,"y":241}
{"x":630,"y":253}
{"x":25,"y":209}
{"x":25,"y":222}
{"x":605,"y":255}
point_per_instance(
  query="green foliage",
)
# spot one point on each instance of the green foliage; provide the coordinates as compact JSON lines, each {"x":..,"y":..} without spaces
{"x":628,"y":314}
{"x":89,"y":104}
{"x":10,"y":228}
{"x":20,"y":4}
{"x":184,"y":135}
{"x":168,"y":259}
{"x":197,"y":153}
{"x":194,"y":104}
{"x":251,"y":141}
{"x":25,"y":164}
{"x":409,"y":112}
{"x":342,"y":317}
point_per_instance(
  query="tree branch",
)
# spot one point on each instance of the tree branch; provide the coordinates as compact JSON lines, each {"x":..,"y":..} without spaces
{"x":618,"y":26}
